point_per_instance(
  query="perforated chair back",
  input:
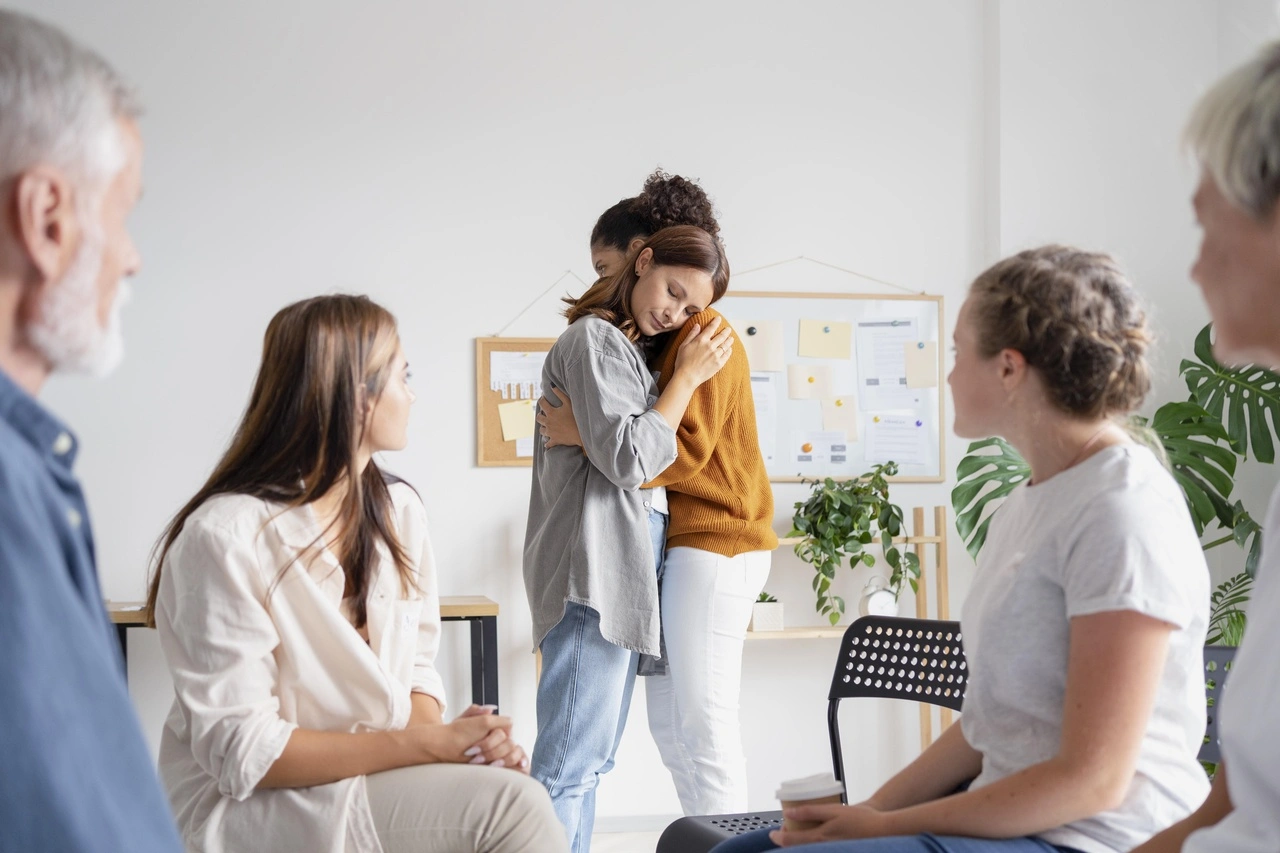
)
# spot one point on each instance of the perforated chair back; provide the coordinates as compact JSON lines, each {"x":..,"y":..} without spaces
{"x":1217,"y":665}
{"x":896,"y":658}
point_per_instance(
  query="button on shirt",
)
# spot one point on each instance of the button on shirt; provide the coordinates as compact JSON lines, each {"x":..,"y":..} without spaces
{"x":77,"y":774}
{"x":252,"y":625}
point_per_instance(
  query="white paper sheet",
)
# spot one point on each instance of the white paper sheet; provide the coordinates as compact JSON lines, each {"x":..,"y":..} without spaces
{"x":764,"y":391}
{"x":517,"y":375}
{"x":818,"y":447}
{"x":897,"y":438}
{"x":882,"y":365}
{"x":524,"y":448}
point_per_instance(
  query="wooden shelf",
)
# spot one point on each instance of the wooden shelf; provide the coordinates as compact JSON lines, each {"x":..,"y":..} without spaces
{"x":784,"y":541}
{"x":803,"y":632}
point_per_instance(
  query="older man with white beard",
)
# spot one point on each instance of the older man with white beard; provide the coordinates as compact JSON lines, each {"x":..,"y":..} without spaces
{"x":75,"y":774}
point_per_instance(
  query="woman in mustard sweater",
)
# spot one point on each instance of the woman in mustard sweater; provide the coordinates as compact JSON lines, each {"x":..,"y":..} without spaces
{"x":720,"y":538}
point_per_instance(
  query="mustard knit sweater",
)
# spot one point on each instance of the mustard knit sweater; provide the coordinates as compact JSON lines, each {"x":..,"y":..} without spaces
{"x":717,"y":488}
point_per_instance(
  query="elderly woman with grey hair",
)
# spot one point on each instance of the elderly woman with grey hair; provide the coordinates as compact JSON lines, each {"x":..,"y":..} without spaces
{"x":1235,"y":134}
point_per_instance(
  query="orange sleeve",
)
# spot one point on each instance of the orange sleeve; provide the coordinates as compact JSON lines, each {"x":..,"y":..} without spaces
{"x":708,"y":411}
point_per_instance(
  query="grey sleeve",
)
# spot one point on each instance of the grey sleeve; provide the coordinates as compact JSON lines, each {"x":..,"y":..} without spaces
{"x":629,"y":442}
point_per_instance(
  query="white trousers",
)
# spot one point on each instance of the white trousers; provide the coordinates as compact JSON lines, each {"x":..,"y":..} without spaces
{"x":693,"y":709}
{"x":462,"y":808}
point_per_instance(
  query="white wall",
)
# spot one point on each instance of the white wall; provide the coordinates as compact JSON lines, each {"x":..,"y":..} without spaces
{"x":1094,"y":98}
{"x":450,"y":161}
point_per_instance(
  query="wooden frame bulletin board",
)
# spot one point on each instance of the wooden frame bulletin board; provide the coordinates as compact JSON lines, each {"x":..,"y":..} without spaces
{"x":492,"y":449}
{"x":845,"y":343}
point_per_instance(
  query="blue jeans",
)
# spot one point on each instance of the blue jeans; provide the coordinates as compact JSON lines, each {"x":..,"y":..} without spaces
{"x":583,"y":698}
{"x":754,"y":842}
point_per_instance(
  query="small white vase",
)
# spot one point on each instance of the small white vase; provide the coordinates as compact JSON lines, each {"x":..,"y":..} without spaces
{"x":766,"y":616}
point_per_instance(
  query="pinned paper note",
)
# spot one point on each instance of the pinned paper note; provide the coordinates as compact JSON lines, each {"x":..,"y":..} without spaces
{"x":764,"y":393}
{"x":897,"y":438}
{"x":882,"y":369}
{"x":762,"y":342}
{"x":517,"y":375}
{"x":841,"y":415}
{"x":821,"y":447}
{"x":808,"y":381}
{"x":517,"y":420}
{"x":922,"y":364}
{"x":826,"y":339}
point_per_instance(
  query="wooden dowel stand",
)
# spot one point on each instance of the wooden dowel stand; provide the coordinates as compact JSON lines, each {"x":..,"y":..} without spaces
{"x":919,"y":540}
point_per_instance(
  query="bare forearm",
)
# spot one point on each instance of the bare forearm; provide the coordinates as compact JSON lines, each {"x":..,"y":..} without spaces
{"x":425,"y":710}
{"x":1215,"y":807}
{"x":1041,"y":797}
{"x":318,"y":758}
{"x":938,"y":771}
{"x":674,"y":400}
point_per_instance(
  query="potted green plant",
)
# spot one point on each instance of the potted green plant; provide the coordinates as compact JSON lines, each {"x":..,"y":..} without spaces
{"x":841,"y":519}
{"x":766,"y":614}
{"x":1204,"y":438}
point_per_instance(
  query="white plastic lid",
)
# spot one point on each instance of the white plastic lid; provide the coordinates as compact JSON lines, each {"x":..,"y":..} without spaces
{"x":810,"y":788}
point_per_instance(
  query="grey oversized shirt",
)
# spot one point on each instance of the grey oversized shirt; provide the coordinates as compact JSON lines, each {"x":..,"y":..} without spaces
{"x":587,"y":539}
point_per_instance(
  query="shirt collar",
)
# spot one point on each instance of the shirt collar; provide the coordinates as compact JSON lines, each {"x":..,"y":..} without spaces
{"x":49,"y":437}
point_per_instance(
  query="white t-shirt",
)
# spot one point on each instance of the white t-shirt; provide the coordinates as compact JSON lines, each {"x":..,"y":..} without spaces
{"x":1112,"y":533}
{"x":1247,"y":728}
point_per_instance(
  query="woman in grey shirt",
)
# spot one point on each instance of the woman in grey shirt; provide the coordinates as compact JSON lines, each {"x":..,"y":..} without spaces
{"x":594,"y":537}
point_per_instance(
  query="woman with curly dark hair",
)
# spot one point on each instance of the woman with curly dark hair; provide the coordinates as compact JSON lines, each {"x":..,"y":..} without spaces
{"x":720,"y":535}
{"x":666,"y":200}
{"x":597,"y":526}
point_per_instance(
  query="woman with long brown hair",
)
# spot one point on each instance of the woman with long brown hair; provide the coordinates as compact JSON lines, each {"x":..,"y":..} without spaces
{"x":594,"y":540}
{"x":295,"y":597}
{"x":720,"y":539}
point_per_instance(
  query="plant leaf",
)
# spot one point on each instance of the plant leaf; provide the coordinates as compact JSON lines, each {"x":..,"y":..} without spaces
{"x":1203,"y":468}
{"x":1240,"y":398}
{"x":974,"y":498}
{"x":1226,"y":618}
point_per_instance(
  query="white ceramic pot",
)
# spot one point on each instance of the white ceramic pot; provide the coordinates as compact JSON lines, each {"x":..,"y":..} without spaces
{"x":766,"y":616}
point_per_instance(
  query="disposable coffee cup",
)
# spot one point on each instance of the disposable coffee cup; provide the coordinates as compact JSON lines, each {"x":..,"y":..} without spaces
{"x":818,"y":790}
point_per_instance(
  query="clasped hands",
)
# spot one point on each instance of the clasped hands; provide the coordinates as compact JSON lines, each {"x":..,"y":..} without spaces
{"x":476,"y":736}
{"x":837,"y":823}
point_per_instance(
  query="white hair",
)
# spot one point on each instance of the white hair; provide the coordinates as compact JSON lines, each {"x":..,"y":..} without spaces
{"x":1234,"y":131}
{"x":59,"y":102}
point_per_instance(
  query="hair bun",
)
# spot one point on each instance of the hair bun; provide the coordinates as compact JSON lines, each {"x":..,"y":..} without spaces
{"x":675,"y":200}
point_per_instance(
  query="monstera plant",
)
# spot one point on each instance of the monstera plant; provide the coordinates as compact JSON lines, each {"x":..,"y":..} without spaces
{"x":1205,"y":437}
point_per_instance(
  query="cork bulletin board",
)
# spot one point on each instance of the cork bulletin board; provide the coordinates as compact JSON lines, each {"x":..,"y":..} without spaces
{"x":508,"y":385}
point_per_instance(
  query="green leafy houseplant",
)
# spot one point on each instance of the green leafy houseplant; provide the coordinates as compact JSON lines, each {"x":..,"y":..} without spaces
{"x":766,"y":598}
{"x":1204,"y":438}
{"x":840,"y":520}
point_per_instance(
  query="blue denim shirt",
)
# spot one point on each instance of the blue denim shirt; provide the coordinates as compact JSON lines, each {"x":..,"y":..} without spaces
{"x":75,"y":774}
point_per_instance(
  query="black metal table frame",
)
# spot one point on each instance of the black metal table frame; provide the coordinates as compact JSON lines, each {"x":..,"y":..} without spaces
{"x":484,"y":654}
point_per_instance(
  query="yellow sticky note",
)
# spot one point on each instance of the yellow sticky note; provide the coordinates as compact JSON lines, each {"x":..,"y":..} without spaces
{"x":922,"y":364}
{"x":808,"y":381}
{"x":841,"y":415}
{"x":517,"y":419}
{"x":826,"y":339}
{"x":761,"y":340}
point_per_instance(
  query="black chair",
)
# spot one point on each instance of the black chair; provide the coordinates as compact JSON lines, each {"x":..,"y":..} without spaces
{"x":1217,"y":664}
{"x":883,"y":656}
